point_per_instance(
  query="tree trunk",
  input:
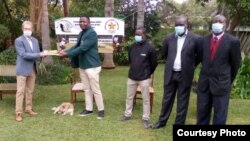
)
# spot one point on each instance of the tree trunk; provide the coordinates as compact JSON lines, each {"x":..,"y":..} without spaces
{"x":108,"y":62}
{"x":35,"y":8}
{"x":234,"y":22}
{"x":45,"y":31}
{"x":38,"y":10}
{"x":140,"y":14}
{"x":66,"y":8}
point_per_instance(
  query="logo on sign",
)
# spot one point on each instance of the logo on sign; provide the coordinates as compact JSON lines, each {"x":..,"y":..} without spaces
{"x":64,"y":26}
{"x":111,"y":26}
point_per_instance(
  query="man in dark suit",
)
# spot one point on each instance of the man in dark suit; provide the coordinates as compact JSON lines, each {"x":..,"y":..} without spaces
{"x":220,"y":61}
{"x":181,"y":52}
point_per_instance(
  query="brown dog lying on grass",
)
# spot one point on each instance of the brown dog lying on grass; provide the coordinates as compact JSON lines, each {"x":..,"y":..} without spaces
{"x":64,"y":108}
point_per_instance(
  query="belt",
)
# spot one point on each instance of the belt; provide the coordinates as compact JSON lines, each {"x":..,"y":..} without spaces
{"x":176,"y":71}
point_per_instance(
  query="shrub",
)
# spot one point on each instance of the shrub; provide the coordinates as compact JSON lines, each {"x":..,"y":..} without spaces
{"x":241,"y":85}
{"x":4,"y":35}
{"x":121,"y":58}
{"x":157,"y":40}
{"x":8,"y":56}
{"x":54,"y":74}
{"x":5,"y":32}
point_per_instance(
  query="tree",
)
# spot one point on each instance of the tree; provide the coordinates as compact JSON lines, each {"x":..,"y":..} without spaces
{"x":35,"y":9}
{"x":7,"y":9}
{"x":129,"y":10}
{"x":39,"y":17}
{"x":108,"y":57}
{"x":66,"y":8}
{"x":140,"y":14}
{"x":12,"y":13}
{"x":237,"y":11}
{"x":199,"y":16}
{"x":91,"y":8}
{"x":45,"y":31}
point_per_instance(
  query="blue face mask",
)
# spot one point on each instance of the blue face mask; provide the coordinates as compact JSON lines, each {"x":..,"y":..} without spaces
{"x":217,"y":28}
{"x":138,"y":39}
{"x":179,"y":30}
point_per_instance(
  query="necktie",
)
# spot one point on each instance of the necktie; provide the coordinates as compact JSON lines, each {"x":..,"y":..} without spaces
{"x":214,"y":46}
{"x":215,"y":39}
{"x":30,"y":43}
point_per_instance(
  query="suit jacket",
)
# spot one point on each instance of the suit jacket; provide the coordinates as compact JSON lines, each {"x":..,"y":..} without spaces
{"x":189,"y":56}
{"x":85,"y":53}
{"x":26,"y":57}
{"x":219,"y":73}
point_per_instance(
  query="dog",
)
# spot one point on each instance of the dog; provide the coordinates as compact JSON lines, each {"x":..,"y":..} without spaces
{"x":64,"y":108}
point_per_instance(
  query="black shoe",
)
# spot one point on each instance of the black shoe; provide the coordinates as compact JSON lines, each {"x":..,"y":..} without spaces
{"x":85,"y":113}
{"x":100,"y":115}
{"x":158,"y":125}
{"x":124,"y":118}
{"x":146,"y":124}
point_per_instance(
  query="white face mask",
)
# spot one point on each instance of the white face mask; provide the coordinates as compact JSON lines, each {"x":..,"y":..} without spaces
{"x":179,"y":30}
{"x":217,"y":28}
{"x":27,"y":33}
{"x":138,"y":39}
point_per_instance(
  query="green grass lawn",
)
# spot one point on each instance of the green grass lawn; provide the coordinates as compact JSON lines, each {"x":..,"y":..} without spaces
{"x":49,"y":127}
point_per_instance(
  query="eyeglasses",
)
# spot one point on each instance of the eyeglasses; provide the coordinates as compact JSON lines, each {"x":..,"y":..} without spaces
{"x":27,"y":28}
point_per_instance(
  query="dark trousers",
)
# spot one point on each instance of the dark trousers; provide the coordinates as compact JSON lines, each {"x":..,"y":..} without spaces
{"x":207,"y":101}
{"x":176,"y":84}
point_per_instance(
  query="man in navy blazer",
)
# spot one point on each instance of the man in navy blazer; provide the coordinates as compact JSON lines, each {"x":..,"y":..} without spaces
{"x":181,"y":52}
{"x":221,"y":58}
{"x":28,"y":52}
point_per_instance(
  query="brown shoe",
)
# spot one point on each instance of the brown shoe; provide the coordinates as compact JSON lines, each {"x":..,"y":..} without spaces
{"x":19,"y":117}
{"x":31,"y":112}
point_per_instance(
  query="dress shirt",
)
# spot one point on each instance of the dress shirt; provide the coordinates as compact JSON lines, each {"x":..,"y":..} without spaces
{"x":219,"y":36}
{"x":215,"y":41}
{"x":30,"y":42}
{"x":180,"y":42}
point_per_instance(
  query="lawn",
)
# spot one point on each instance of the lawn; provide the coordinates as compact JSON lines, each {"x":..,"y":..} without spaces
{"x":49,"y":127}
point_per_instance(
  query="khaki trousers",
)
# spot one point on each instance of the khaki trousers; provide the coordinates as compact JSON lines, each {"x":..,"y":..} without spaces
{"x":25,"y":87}
{"x":90,"y":79}
{"x":131,"y":89}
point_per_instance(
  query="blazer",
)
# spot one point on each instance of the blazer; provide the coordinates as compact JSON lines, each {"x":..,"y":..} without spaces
{"x":26,"y":57}
{"x":190,"y":55}
{"x":84,"y":53}
{"x":218,"y":74}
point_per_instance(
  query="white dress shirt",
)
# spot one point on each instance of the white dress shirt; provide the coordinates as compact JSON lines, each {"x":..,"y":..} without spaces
{"x":180,"y":42}
{"x":30,"y":42}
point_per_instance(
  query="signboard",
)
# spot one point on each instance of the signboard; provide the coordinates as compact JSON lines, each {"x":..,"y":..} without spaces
{"x":107,"y":29}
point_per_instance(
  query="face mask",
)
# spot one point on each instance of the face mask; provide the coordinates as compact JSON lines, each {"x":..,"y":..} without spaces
{"x":138,"y":39}
{"x":179,"y":30}
{"x":217,"y":28}
{"x":27,"y":33}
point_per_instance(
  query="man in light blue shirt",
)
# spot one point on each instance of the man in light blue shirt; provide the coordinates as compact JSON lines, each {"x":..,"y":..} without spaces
{"x":181,"y":52}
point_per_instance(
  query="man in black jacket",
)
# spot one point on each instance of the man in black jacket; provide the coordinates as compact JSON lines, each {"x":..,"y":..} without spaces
{"x":181,"y":52}
{"x":143,"y":62}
